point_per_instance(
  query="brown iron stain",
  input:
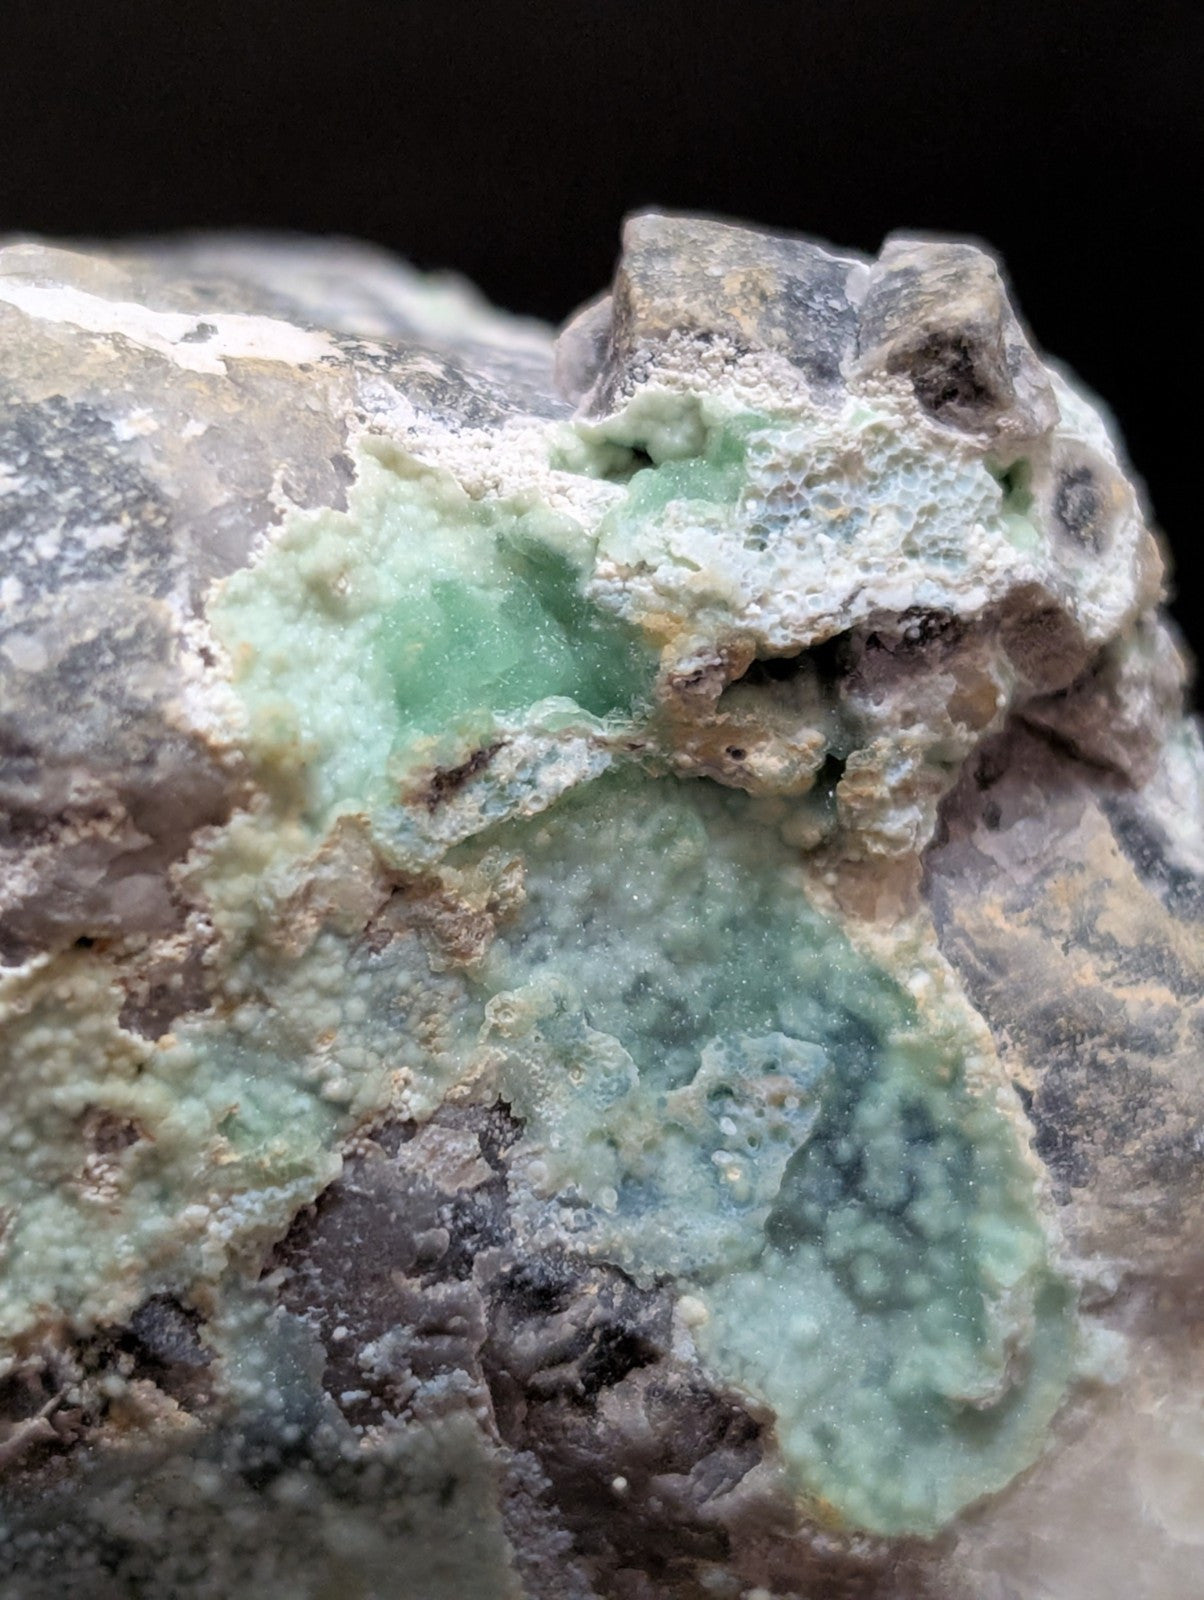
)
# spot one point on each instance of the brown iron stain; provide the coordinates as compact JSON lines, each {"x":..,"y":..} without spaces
{"x":447,"y":781}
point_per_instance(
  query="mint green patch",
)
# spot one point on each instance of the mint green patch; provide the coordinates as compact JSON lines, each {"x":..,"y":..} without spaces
{"x":704,"y":487}
{"x":127,"y":1167}
{"x":716,"y":476}
{"x":742,"y":1101}
{"x":1016,"y":510}
{"x":753,"y":1107}
{"x":371,"y":643}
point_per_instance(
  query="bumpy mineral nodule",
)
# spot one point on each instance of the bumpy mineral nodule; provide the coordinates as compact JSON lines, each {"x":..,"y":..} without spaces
{"x":602,"y":966}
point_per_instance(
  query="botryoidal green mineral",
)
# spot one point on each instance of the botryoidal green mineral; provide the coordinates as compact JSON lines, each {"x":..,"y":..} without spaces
{"x":601,"y":961}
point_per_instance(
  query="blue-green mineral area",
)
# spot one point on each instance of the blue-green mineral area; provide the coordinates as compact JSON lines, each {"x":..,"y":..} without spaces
{"x":716,"y":1088}
{"x":718,"y":1091}
{"x":755,"y":1110}
{"x":366,"y":646}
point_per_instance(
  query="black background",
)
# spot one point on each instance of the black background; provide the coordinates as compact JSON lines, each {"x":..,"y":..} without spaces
{"x":506,"y":140}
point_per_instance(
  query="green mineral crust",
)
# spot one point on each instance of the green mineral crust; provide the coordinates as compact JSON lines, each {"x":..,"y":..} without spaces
{"x":600,"y":940}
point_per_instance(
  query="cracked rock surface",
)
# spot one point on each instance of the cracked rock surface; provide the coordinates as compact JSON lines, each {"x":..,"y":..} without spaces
{"x":601,"y":959}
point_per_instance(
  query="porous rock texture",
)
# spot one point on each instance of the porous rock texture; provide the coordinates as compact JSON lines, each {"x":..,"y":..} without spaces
{"x":602,"y":976}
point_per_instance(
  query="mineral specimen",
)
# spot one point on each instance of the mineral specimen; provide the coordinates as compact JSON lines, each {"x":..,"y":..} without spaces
{"x":603,"y":981}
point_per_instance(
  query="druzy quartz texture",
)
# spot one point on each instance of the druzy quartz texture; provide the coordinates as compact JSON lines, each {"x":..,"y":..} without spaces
{"x":602,"y":981}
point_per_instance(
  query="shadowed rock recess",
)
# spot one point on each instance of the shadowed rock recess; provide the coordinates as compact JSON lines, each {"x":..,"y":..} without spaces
{"x":601,"y":940}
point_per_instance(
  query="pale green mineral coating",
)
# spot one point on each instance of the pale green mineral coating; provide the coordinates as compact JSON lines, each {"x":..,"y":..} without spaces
{"x":233,"y":1121}
{"x":757,"y":1110}
{"x":747,"y":1104}
{"x":373,"y":644}
{"x":750,"y":503}
{"x":400,"y":632}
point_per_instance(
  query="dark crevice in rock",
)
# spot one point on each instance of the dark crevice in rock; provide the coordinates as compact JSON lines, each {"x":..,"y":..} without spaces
{"x":1015,"y":481}
{"x":775,"y":669}
{"x":834,"y":658}
{"x":627,"y":462}
{"x":827,"y":779}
